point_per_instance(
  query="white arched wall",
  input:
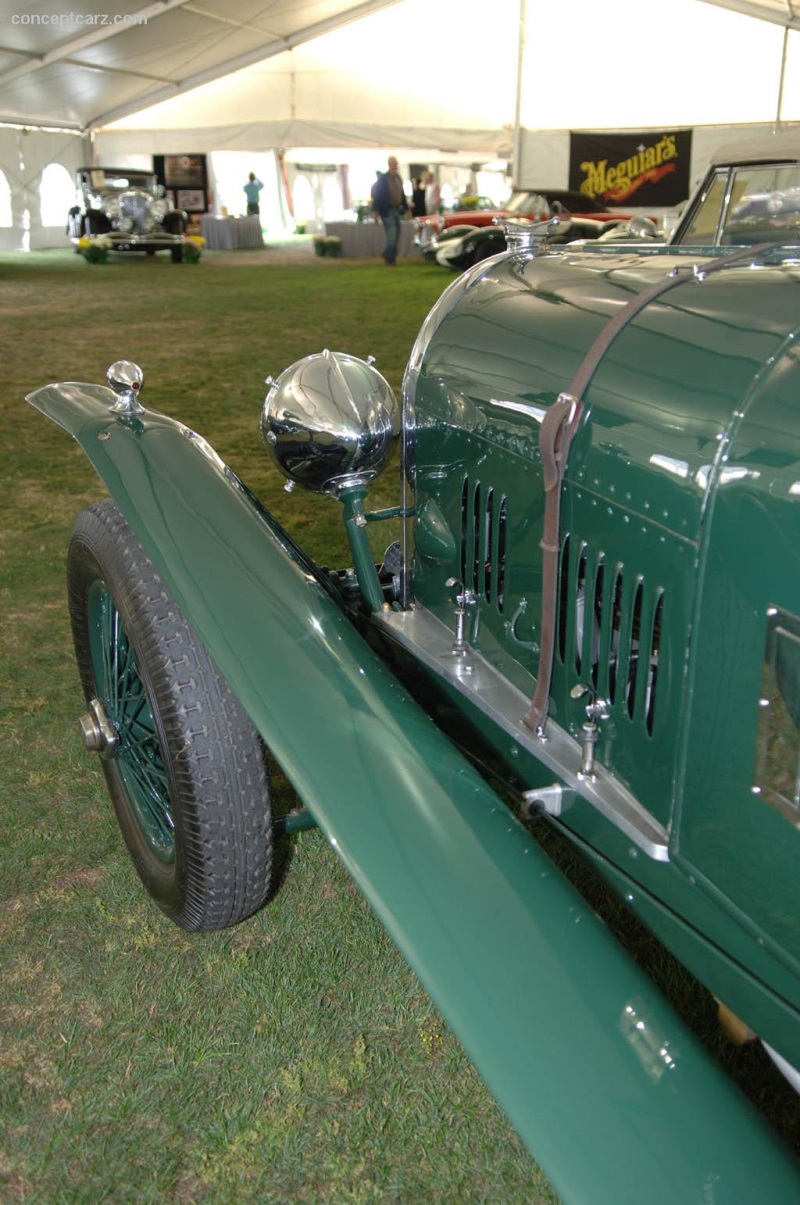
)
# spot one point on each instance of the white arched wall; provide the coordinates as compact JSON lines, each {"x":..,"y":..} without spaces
{"x":56,"y":195}
{"x":11,"y":237}
{"x":24,"y":155}
{"x":40,"y":149}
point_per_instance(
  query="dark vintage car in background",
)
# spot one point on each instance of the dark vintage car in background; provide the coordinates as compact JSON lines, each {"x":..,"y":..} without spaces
{"x":475,"y":243}
{"x":589,"y":629}
{"x":128,"y":210}
{"x":531,"y":204}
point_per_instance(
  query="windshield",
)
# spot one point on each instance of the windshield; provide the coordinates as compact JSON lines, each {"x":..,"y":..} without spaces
{"x":101,"y":180}
{"x":528,"y":202}
{"x":745,"y":205}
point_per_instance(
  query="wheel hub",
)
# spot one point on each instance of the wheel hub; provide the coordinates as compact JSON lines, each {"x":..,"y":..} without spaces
{"x":97,"y":731}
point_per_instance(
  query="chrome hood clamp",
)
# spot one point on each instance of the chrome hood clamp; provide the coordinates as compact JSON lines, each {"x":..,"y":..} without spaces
{"x":528,"y":239}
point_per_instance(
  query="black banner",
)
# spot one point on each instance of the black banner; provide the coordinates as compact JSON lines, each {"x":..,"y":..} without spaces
{"x":185,"y":177}
{"x":631,"y":170}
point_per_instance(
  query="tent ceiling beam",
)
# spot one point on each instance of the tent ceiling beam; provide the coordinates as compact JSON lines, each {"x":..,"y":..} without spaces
{"x":73,"y":46}
{"x":56,"y":126}
{"x":787,"y":14}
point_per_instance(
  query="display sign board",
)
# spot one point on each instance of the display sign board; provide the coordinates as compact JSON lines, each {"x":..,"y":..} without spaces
{"x":185,"y":178}
{"x":632,"y":169}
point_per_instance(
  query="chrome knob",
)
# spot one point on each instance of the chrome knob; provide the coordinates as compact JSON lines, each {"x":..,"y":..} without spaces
{"x":127,"y":381}
{"x":596,"y":710}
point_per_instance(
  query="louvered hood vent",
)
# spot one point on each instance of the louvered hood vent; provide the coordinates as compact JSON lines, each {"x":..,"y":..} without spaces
{"x":484,"y":522}
{"x":610,"y":618}
{"x":609,"y":630}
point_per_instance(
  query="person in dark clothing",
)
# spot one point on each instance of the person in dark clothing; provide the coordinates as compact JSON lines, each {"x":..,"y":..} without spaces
{"x":390,"y":205}
{"x":418,"y":198}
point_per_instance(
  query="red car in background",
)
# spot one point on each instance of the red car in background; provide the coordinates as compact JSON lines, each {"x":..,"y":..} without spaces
{"x":534,"y":204}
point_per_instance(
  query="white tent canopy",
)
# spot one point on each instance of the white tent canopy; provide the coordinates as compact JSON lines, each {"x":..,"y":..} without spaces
{"x":401,"y":62}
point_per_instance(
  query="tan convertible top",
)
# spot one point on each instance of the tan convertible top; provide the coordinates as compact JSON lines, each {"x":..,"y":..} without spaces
{"x":768,"y":148}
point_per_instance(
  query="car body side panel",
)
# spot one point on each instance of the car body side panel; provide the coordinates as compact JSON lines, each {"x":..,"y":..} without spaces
{"x":590,"y":1064}
{"x":740,"y":804}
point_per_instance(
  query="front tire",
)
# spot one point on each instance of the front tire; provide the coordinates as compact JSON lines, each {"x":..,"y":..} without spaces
{"x":96,"y":222}
{"x":175,"y":222}
{"x":183,"y":764}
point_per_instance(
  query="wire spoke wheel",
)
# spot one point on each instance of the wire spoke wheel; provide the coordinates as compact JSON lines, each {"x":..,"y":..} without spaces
{"x":138,"y":753}
{"x":185,"y":769}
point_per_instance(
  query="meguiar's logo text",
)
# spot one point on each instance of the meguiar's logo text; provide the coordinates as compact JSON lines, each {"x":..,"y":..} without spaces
{"x":616,"y":182}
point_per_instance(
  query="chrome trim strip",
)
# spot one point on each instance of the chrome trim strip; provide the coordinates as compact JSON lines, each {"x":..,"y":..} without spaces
{"x":530,"y":411}
{"x":431,"y":642}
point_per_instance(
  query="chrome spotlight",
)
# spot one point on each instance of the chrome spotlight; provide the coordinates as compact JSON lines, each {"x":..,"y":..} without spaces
{"x":329,"y":421}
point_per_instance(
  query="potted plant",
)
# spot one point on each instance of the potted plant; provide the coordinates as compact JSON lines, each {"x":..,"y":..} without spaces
{"x":94,"y":249}
{"x":333,"y":245}
{"x":193,"y":248}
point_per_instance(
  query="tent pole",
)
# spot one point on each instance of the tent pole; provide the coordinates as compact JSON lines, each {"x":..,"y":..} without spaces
{"x":517,"y":176}
{"x":782,"y":83}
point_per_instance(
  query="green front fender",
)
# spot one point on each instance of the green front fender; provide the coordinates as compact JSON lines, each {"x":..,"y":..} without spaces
{"x":609,"y":1091}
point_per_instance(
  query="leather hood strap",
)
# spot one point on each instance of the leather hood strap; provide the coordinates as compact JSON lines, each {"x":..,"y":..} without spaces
{"x":554,"y":444}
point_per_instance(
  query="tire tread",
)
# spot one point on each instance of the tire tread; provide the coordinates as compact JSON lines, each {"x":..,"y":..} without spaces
{"x":220,"y":796}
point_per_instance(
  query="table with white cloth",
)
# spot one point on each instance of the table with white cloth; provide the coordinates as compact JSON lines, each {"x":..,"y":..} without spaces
{"x":227,"y":234}
{"x":367,"y":239}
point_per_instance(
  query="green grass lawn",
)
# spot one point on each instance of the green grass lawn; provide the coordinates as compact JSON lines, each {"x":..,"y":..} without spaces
{"x":295,"y":1057}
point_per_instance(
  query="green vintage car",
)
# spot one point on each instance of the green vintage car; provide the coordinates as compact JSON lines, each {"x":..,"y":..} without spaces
{"x":592,"y":618}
